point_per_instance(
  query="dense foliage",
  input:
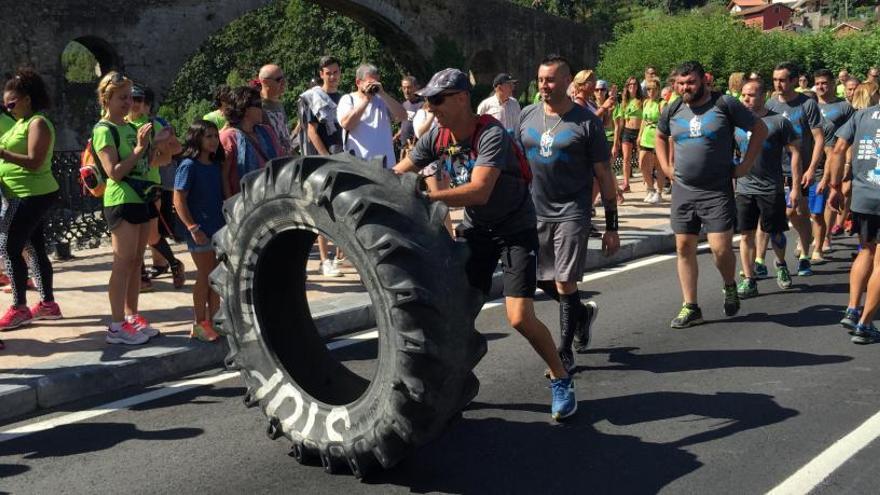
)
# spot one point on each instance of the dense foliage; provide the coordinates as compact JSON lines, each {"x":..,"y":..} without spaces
{"x":78,"y":63}
{"x":724,"y":45}
{"x":292,"y":33}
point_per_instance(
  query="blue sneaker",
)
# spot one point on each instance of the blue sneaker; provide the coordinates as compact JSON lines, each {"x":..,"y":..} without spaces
{"x":564,"y":403}
{"x":865,"y":334}
{"x":851,"y":319}
{"x":804,"y":267}
{"x":761,"y":270}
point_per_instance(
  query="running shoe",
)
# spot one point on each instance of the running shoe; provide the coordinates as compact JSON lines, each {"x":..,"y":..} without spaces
{"x":142,"y":325}
{"x":15,"y":317}
{"x":583,"y":330}
{"x":649,"y":197}
{"x":690,"y":315}
{"x":747,"y":288}
{"x":654,"y":198}
{"x":564,"y":403}
{"x":731,"y":300}
{"x":804,"y":268}
{"x":328,"y":269}
{"x":125,"y":334}
{"x":203,"y":331}
{"x":178,"y":275}
{"x":761,"y":270}
{"x":836,"y":230}
{"x":817,"y":258}
{"x":46,"y":311}
{"x":865,"y":334}
{"x":156,"y":270}
{"x":851,"y":319}
{"x":667,"y":189}
{"x":783,"y":278}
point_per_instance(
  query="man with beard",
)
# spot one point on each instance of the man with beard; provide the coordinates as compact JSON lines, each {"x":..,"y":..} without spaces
{"x":701,"y":128}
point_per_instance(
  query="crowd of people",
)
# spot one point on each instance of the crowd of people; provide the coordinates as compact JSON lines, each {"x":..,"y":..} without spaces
{"x":754,"y":160}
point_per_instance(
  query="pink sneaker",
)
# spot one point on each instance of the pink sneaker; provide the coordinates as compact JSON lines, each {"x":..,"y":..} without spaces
{"x":15,"y":317}
{"x":125,"y":334}
{"x":142,"y":325}
{"x":46,"y":311}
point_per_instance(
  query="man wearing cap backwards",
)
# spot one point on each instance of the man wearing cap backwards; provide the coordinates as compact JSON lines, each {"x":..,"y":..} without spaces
{"x":502,"y":105}
{"x":565,"y":146}
{"x":499,"y":221}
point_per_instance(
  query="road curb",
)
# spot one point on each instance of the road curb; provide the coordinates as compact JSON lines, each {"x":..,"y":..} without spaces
{"x":62,"y":382}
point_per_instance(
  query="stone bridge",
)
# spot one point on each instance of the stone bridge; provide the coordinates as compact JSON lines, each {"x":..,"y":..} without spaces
{"x":151,"y":39}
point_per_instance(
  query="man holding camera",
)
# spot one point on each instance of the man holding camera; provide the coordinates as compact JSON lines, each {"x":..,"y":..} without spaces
{"x":365,"y":116}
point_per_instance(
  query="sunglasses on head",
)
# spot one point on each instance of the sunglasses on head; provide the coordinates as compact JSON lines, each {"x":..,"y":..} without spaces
{"x":438,"y":99}
{"x":118,"y":77}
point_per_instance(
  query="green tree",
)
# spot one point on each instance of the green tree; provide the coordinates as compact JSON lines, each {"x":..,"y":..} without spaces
{"x":78,"y":63}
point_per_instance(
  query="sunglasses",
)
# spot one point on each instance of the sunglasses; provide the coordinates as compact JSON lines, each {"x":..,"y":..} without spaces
{"x":438,"y":99}
{"x":118,"y":78}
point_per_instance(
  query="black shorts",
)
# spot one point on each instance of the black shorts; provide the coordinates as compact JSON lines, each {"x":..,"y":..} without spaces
{"x":518,"y":260}
{"x":629,"y":135}
{"x":867,"y":226}
{"x":690,"y":211}
{"x":769,"y":208}
{"x":133,"y":213}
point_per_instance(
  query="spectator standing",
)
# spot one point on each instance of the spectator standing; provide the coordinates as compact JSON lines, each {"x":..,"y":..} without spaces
{"x":701,"y":128}
{"x":220,"y":100}
{"x":650,"y":73}
{"x":126,"y":154}
{"x":499,"y":222}
{"x":651,"y":107}
{"x":198,"y":197}
{"x":247,"y":144}
{"x":366,"y":115}
{"x":325,"y":133}
{"x":163,"y":257}
{"x":29,"y":190}
{"x":629,"y":121}
{"x":849,"y":88}
{"x":566,"y":147}
{"x":502,"y":105}
{"x":735,"y":83}
{"x":803,"y":84}
{"x":272,"y":87}
{"x":412,"y":103}
{"x":873,"y":75}
{"x":842,"y":78}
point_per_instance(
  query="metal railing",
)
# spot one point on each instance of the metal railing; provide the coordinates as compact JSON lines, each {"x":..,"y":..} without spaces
{"x":76,"y":222}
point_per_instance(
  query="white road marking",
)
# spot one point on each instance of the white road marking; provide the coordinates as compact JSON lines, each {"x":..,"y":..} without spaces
{"x":353,"y":339}
{"x":811,"y":475}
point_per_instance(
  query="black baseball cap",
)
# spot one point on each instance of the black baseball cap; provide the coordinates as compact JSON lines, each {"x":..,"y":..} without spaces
{"x":446,"y":80}
{"x":138,"y":91}
{"x":503,"y":78}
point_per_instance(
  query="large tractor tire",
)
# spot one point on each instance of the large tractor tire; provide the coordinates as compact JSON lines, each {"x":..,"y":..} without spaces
{"x":414,"y":273}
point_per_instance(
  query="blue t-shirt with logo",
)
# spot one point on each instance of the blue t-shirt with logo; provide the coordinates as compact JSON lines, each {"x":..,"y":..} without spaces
{"x":765,"y":177}
{"x":804,"y":115}
{"x":862,"y":131}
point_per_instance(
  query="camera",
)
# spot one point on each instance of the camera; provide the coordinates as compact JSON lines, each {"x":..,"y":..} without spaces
{"x":373,"y":89}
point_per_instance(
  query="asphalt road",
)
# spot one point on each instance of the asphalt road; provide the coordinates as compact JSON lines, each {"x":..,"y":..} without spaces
{"x":733,"y":406}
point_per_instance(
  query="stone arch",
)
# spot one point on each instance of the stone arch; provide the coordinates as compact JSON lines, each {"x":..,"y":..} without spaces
{"x":106,"y":55}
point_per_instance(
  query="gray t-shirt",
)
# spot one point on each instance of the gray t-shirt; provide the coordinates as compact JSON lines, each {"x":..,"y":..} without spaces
{"x":703,"y":141}
{"x":406,"y":127}
{"x":804,"y":115}
{"x":863,"y":132}
{"x":562,"y":167}
{"x":765,"y":177}
{"x":834,"y":115}
{"x":509,"y":209}
{"x":275,"y":117}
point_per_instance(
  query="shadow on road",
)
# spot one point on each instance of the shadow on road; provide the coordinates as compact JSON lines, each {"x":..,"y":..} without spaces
{"x":497,"y":456}
{"x":674,"y":362}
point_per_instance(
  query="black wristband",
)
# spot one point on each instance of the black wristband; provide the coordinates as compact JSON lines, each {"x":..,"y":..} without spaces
{"x":611,"y":221}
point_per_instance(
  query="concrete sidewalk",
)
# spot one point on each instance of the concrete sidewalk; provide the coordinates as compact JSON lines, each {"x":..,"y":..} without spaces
{"x":48,"y":364}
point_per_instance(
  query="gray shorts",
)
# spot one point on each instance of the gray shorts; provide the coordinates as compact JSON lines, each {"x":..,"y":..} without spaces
{"x":689,"y":211}
{"x":562,"y":251}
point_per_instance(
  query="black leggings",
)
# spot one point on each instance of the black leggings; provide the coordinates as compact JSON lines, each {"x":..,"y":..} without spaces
{"x":21,"y":229}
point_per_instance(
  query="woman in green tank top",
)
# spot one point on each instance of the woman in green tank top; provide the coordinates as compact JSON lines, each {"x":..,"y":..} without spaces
{"x":29,"y":190}
{"x":651,"y":107}
{"x":629,"y":122}
{"x":126,"y":155}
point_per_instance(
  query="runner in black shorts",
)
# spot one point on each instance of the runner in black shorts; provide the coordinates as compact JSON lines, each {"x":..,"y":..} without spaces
{"x":499,"y":220}
{"x":864,"y":126}
{"x":701,"y":128}
{"x":760,"y":194}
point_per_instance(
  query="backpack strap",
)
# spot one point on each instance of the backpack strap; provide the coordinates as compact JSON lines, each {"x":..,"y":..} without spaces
{"x":483,"y":122}
{"x":442,"y":140}
{"x":114,"y":133}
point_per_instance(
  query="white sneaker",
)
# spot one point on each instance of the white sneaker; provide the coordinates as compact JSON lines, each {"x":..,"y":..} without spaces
{"x":125,"y":334}
{"x":648,"y":197}
{"x":654,"y":198}
{"x":328,"y":269}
